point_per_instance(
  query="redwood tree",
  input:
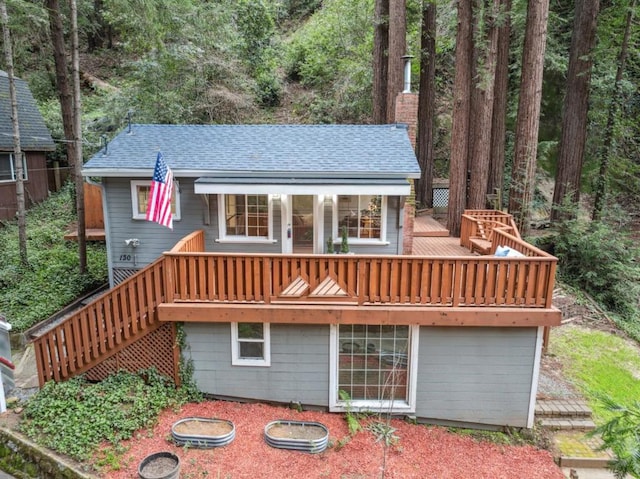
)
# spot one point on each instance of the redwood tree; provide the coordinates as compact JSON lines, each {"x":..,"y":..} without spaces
{"x":426,"y":104}
{"x":397,"y":49}
{"x":575,"y":107}
{"x":607,"y":144}
{"x":528,"y":121}
{"x":380,"y":61}
{"x":501,"y":89}
{"x":483,"y":86}
{"x":460,"y":122}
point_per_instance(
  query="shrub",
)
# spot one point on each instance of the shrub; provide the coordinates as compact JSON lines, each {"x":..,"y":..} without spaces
{"x":74,"y":417}
{"x":600,"y":261}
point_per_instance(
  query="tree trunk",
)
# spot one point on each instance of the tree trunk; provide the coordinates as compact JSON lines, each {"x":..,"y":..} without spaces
{"x":62,"y":78}
{"x":460,"y":121}
{"x":380,"y":61}
{"x":484,"y":86}
{"x":528,"y":121}
{"x":77,"y":138}
{"x":501,"y":89}
{"x":397,"y":49}
{"x":15,"y":123}
{"x":600,"y":195}
{"x":575,"y":109}
{"x":427,"y":104}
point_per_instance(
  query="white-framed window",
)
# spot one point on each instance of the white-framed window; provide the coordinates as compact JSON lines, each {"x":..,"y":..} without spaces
{"x":245,"y":218}
{"x":250,"y":344}
{"x":363,"y":216}
{"x":8,"y":168}
{"x":140,"y":190}
{"x":373,"y":367}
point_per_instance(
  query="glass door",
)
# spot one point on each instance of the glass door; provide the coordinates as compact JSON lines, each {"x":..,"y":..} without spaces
{"x":302,"y":224}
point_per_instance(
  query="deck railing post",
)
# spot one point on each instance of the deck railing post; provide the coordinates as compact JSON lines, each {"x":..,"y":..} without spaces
{"x":169,"y":279}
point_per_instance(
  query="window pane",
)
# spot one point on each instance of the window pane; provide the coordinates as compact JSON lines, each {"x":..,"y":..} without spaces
{"x":373,"y":362}
{"x":235,"y":214}
{"x":348,"y":215}
{"x":5,"y":168}
{"x":258,"y":215}
{"x":370,"y":216}
{"x":143,"y":198}
{"x":251,"y":330}
{"x":251,"y":350}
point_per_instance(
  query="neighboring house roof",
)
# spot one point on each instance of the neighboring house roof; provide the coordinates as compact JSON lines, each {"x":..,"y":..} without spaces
{"x":34,"y":135}
{"x":260,"y":151}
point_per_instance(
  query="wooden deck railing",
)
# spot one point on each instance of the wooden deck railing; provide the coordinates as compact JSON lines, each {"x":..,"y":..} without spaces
{"x":102,"y":328}
{"x":366,"y":280}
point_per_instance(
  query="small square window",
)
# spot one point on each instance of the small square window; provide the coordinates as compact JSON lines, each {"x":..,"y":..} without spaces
{"x":140,"y":197}
{"x":250,"y":344}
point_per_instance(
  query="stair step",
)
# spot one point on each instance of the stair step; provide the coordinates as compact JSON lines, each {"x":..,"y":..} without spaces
{"x":567,"y":409}
{"x":578,"y":424}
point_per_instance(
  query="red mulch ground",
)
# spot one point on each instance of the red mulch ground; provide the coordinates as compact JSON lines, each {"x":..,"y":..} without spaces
{"x":421,"y":452}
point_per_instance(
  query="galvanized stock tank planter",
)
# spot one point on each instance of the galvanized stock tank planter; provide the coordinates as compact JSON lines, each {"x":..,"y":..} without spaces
{"x":303,"y":436}
{"x":203,"y":432}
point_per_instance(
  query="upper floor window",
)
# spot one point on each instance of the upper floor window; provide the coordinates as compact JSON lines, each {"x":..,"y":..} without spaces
{"x":8,"y":168}
{"x":140,"y":197}
{"x":362,"y":215}
{"x":246,"y":215}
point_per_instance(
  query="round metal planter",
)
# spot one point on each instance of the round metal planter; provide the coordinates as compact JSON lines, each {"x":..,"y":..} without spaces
{"x":203,"y":432}
{"x":303,"y":436}
{"x":160,"y":465}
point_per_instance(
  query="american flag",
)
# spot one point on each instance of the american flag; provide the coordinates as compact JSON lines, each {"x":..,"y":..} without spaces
{"x":159,"y":205}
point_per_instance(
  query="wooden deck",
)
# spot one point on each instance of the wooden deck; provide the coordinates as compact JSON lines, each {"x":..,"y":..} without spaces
{"x":442,"y":284}
{"x":428,"y":226}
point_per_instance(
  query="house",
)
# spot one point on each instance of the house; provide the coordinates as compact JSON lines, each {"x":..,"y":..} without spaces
{"x":267,"y":314}
{"x":35,"y":141}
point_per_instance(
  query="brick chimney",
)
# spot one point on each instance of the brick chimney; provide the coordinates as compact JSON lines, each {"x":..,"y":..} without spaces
{"x":407,"y":112}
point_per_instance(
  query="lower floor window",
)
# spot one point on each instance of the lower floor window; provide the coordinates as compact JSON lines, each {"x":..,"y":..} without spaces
{"x":373,"y":367}
{"x":250,"y":344}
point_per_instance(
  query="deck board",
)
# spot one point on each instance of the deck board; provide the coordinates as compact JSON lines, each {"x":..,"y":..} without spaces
{"x":449,"y":246}
{"x":428,"y":226}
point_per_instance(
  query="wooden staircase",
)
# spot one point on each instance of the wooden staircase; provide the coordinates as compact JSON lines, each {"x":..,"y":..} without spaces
{"x":117,"y":330}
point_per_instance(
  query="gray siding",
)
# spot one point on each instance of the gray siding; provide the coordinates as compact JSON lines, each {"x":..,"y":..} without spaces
{"x":299,"y":368}
{"x":154,"y":239}
{"x":476,"y":375}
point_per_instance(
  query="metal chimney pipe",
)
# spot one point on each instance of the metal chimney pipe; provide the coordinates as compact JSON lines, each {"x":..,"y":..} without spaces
{"x":407,"y":73}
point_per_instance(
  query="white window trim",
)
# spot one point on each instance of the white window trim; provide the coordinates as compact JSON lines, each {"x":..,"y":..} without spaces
{"x":395,"y":406}
{"x":222,"y":226}
{"x":12,"y":166}
{"x":337,"y":234}
{"x":134,"y":199}
{"x":236,"y":360}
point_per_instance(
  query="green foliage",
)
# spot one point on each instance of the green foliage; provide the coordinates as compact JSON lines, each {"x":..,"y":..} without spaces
{"x":621,"y":434}
{"x":353,"y":422}
{"x":75,"y":417}
{"x":330,"y":246}
{"x":332,"y":54}
{"x":344,"y":243}
{"x":29,"y":295}
{"x":601,"y":261}
{"x":257,"y":30}
{"x":383,"y":432}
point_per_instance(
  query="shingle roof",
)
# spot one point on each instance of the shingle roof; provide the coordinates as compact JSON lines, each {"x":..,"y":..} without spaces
{"x":261,"y":150}
{"x":34,"y":135}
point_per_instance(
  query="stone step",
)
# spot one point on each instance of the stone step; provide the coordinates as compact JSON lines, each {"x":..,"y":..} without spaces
{"x":576,"y":424}
{"x":564,"y":408}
